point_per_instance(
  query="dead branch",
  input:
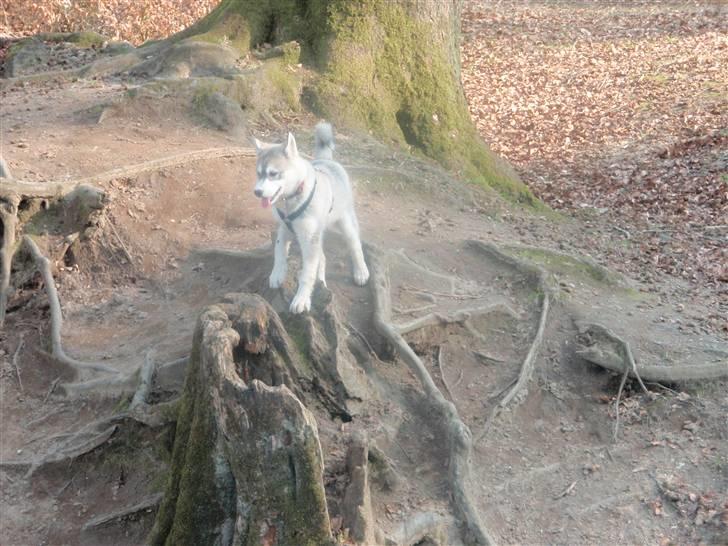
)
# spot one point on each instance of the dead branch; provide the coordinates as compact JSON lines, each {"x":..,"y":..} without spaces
{"x":43,"y":265}
{"x":432,"y":319}
{"x":127,"y":254}
{"x":459,"y":437}
{"x":147,"y":504}
{"x":606,"y":349}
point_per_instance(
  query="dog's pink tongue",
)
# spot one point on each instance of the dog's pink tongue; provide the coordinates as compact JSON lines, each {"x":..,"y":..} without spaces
{"x":265,"y":202}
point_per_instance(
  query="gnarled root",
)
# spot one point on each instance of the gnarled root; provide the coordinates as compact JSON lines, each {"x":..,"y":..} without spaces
{"x":602,"y":347}
{"x":538,"y":277}
{"x":458,"y":434}
{"x":44,"y":267}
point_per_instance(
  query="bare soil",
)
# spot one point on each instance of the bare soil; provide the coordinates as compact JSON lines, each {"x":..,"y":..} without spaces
{"x":545,"y":470}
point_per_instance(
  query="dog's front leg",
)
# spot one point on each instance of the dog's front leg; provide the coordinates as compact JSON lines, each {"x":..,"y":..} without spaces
{"x":310,"y":240}
{"x":280,"y":258}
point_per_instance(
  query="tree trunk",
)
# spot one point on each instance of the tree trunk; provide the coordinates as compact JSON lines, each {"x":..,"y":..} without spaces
{"x":387,"y":66}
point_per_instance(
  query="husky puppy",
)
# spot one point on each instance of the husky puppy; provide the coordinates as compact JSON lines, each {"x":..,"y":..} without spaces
{"x":314,"y":195}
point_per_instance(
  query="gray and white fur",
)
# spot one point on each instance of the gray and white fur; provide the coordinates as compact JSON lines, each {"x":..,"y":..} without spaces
{"x":282,"y":174}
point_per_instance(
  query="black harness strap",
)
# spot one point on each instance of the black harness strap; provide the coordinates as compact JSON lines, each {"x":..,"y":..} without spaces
{"x":289,"y":218}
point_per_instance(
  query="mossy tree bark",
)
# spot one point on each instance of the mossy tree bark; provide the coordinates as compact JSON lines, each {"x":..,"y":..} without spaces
{"x":247,"y":466}
{"x":389,"y":66}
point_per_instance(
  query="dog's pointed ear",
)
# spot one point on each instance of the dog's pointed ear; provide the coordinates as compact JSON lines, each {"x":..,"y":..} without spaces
{"x":291,"y":148}
{"x":259,"y":146}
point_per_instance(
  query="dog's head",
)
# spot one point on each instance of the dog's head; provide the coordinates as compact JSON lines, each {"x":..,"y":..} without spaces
{"x":277,"y":170}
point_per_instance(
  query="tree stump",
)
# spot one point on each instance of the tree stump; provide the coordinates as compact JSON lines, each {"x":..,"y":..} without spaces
{"x":246,"y":466}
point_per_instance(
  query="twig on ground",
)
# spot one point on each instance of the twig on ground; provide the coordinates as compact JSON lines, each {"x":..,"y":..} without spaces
{"x":127,"y":254}
{"x":442,"y":373}
{"x":50,"y":390}
{"x":616,"y":404}
{"x":566,"y":491}
{"x":15,"y":360}
{"x":43,"y":265}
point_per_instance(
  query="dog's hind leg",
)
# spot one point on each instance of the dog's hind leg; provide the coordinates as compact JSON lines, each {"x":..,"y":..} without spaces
{"x":350,"y":229}
{"x":280,"y":258}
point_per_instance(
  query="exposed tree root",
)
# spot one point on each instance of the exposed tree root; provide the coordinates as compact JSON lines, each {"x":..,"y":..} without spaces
{"x":421,"y":526}
{"x":357,"y":504}
{"x":146,"y":378}
{"x":54,"y":188}
{"x":147,"y":504}
{"x":9,"y":219}
{"x":463,"y":315}
{"x":603,"y":347}
{"x":442,"y":374}
{"x":458,"y":434}
{"x":449,"y":278}
{"x":77,"y":444}
{"x":538,"y":277}
{"x":44,"y":267}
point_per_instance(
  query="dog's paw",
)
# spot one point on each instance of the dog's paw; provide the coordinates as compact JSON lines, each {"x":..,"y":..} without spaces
{"x":361,"y":276}
{"x":277,"y":278}
{"x":300,"y":304}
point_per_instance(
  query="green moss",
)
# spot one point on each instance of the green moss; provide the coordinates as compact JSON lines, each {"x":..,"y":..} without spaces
{"x":190,"y":496}
{"x":381,"y":75}
{"x":561,"y":263}
{"x":285,"y":82}
{"x":83,"y":39}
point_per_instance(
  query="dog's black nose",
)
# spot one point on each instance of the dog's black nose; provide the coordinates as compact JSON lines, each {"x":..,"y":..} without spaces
{"x":258,"y":193}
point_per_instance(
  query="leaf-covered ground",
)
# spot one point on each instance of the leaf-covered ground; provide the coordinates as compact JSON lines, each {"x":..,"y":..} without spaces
{"x":621,"y":108}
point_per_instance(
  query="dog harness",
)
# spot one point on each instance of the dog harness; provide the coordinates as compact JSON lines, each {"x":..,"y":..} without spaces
{"x":289,"y":218}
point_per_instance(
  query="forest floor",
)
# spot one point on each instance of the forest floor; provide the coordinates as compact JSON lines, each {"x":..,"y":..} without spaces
{"x":547,"y":470}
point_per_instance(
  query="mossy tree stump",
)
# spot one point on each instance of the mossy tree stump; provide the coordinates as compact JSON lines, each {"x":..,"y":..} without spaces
{"x":247,"y":466}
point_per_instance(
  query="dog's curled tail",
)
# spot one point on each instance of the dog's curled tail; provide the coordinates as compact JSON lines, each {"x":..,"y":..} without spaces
{"x":324,"y":141}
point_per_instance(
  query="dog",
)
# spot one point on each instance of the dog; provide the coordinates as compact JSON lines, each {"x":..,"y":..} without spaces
{"x":314,"y":195}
